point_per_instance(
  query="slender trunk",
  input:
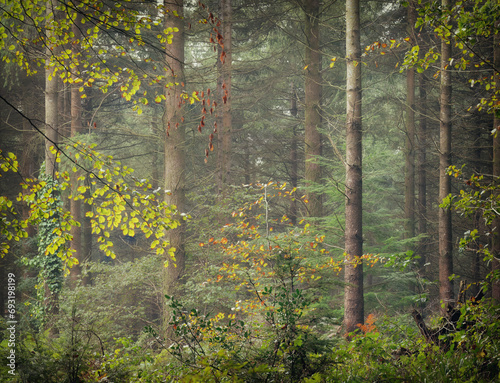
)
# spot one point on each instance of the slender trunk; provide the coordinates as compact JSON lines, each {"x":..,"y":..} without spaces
{"x":219,"y":126}
{"x":410,"y":137}
{"x":51,"y":301}
{"x":495,"y":264}
{"x":30,"y":163}
{"x":225,"y":118}
{"x":422,"y":173}
{"x":51,"y":104}
{"x":175,"y":144}
{"x":445,"y":231}
{"x":63,"y":109}
{"x":476,"y":255}
{"x":312,"y":106}
{"x":293,"y":156}
{"x":353,"y":300}
{"x":76,"y":128}
{"x":29,"y":160}
{"x":86,"y":234}
{"x":76,"y":232}
{"x":247,"y":165}
{"x":155,"y":161}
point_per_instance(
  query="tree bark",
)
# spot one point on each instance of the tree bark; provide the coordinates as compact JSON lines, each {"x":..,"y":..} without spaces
{"x":225,"y":75}
{"x":312,"y":106}
{"x":410,"y":137}
{"x":76,"y":128}
{"x":51,"y":100}
{"x":353,"y":300}
{"x":495,"y":264}
{"x":51,"y":301}
{"x":445,"y":230}
{"x":294,"y":178}
{"x":174,"y":143}
{"x":422,"y":173}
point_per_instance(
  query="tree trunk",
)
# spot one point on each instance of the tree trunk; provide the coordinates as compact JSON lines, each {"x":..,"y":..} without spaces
{"x":445,"y":234}
{"x":422,"y":174}
{"x":410,"y":137}
{"x":495,"y":264}
{"x":294,"y":178}
{"x":156,"y":161}
{"x":312,"y":106}
{"x":225,"y":75}
{"x":51,"y":301}
{"x":353,"y":300}
{"x":51,"y":102}
{"x":247,"y":162}
{"x":174,"y":143}
{"x":76,"y":128}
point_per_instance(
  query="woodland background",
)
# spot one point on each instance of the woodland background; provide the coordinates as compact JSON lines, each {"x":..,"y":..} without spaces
{"x":228,"y":190}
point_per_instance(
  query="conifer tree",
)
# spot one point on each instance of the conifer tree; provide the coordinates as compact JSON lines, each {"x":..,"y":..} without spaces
{"x":313,"y":85}
{"x":445,"y":230}
{"x":353,"y":298}
{"x":175,"y":140}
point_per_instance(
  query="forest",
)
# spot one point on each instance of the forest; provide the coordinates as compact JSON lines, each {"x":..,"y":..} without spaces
{"x":249,"y":191}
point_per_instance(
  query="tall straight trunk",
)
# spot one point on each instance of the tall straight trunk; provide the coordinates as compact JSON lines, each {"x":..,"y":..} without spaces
{"x":174,"y":142}
{"x":410,"y":136}
{"x":156,"y":162}
{"x":312,"y":106}
{"x":294,"y":178}
{"x":76,"y":128}
{"x":51,"y":301}
{"x":353,"y":298}
{"x":64,"y":108}
{"x":422,"y":173}
{"x":51,"y":102}
{"x":225,"y":76}
{"x":495,"y":264}
{"x":29,"y":163}
{"x":445,"y":234}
